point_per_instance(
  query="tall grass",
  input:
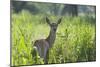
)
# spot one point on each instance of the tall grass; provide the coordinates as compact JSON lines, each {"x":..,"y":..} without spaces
{"x":75,"y":41}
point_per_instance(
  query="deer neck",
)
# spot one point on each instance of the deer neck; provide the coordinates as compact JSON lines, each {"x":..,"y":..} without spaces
{"x":51,"y":38}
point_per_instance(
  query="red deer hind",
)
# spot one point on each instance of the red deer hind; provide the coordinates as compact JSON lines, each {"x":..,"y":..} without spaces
{"x":42,"y":45}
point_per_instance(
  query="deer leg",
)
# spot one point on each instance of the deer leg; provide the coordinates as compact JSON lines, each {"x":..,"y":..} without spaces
{"x":46,"y":57}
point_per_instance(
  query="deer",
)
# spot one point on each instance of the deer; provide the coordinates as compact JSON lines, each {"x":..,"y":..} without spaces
{"x":42,"y":46}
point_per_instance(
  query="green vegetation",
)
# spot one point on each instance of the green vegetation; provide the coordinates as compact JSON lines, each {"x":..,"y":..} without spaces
{"x":75,"y":40}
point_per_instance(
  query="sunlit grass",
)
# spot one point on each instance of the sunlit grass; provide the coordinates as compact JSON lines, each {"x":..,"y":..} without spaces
{"x":75,"y":39}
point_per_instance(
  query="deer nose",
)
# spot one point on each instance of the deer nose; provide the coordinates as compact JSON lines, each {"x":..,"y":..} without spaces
{"x":54,"y":29}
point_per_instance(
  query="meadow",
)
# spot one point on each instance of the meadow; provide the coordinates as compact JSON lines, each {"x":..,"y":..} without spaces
{"x":75,"y":39}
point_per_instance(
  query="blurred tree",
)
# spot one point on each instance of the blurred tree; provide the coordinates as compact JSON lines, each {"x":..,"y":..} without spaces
{"x":53,"y":8}
{"x":17,"y":5}
{"x":70,"y":10}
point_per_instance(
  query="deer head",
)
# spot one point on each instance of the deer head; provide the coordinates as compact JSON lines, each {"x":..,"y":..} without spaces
{"x":53,"y":26}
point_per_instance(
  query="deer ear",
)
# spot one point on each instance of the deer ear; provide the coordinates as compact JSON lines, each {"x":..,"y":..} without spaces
{"x":59,"y":21}
{"x":47,"y":20}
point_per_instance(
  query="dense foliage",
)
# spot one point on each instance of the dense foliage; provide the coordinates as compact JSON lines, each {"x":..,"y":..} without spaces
{"x":75,"y":41}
